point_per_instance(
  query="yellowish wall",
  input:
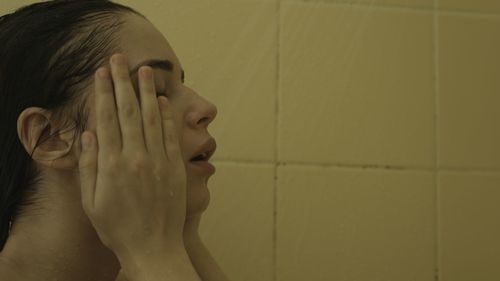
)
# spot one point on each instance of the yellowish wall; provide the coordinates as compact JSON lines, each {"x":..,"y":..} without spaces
{"x":357,"y":140}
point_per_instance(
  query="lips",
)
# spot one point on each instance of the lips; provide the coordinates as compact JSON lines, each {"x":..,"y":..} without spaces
{"x":204,"y":151}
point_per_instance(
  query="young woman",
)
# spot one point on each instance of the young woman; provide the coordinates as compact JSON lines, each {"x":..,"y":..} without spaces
{"x":99,"y":137}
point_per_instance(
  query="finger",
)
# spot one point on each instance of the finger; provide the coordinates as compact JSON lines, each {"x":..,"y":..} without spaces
{"x":151,"y":116}
{"x":170,"y":140}
{"x":87,"y":165}
{"x":129,"y":113}
{"x":107,"y":128}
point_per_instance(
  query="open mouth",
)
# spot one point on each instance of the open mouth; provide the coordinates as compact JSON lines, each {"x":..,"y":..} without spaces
{"x":202,"y":157}
{"x":201,"y":163}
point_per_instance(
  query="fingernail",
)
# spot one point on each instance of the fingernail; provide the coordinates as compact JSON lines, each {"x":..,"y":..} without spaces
{"x":119,"y":59}
{"x":163,"y":102}
{"x":146,"y":72}
{"x":103,"y":73}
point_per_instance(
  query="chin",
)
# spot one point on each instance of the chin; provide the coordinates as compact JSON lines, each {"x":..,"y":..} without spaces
{"x":198,"y":197}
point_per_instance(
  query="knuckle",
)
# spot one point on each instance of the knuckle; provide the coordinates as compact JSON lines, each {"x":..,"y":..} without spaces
{"x":111,"y":163}
{"x":140,"y":162}
{"x":130,"y":110}
{"x":158,"y":173}
{"x":151,"y":120}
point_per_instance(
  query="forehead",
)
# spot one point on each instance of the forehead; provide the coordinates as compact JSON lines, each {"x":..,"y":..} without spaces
{"x":141,"y":41}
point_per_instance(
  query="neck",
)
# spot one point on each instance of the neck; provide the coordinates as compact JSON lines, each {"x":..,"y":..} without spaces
{"x":57,"y":242}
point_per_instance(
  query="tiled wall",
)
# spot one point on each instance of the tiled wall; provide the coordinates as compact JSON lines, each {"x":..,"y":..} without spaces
{"x":357,"y":140}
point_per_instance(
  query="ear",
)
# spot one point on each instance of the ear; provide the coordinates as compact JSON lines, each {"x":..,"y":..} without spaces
{"x":53,"y":150}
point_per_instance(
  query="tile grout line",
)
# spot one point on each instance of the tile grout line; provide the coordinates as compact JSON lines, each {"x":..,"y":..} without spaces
{"x":402,"y":8}
{"x":276,"y":144}
{"x":435,"y":41}
{"x":353,"y":166}
{"x":465,"y":13}
{"x":370,"y":5}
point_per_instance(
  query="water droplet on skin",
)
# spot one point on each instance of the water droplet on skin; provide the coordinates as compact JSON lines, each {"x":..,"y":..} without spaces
{"x":171,"y":193}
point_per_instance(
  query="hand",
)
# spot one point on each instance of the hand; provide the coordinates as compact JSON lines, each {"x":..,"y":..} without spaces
{"x":192,"y":243}
{"x":133,"y":178}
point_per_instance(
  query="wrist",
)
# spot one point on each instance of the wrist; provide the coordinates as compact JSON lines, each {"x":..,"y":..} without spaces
{"x":191,"y":234}
{"x":157,"y":265}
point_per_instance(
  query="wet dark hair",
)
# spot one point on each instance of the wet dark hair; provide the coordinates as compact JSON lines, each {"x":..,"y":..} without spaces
{"x":49,"y":52}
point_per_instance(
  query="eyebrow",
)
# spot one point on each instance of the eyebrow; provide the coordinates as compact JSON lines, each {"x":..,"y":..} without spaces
{"x":156,"y":63}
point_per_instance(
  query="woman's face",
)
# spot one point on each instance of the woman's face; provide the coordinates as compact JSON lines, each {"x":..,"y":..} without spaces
{"x":140,"y":42}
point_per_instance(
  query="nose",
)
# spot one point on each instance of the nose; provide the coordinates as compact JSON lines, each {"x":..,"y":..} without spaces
{"x":203,"y":114}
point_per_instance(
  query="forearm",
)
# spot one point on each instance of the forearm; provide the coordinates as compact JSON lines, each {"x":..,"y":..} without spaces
{"x":171,"y":267}
{"x":199,"y":258}
{"x":203,"y":262}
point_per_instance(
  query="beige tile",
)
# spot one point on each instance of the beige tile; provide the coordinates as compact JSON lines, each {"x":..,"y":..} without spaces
{"x":356,"y":86}
{"x":403,"y":3}
{"x":363,"y":225}
{"x":486,"y":6}
{"x":10,"y":6}
{"x":469,"y":68}
{"x":238,"y":224}
{"x":427,"y":4}
{"x":229,"y":52}
{"x":469,"y":226}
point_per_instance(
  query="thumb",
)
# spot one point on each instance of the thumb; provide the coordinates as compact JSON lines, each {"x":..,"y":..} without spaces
{"x":88,"y":170}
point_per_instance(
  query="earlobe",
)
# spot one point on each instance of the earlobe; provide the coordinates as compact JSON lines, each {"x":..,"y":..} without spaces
{"x":41,"y":139}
